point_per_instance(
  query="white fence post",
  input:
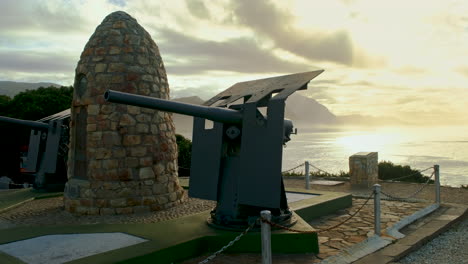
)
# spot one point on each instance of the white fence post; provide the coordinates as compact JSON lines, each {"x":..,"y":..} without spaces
{"x":307,"y":175}
{"x":266,"y":237}
{"x":377,"y":209}
{"x":437,"y":184}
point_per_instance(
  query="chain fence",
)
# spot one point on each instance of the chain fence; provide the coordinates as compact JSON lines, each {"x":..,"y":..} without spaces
{"x":320,"y":170}
{"x":321,"y":230}
{"x":298,"y":166}
{"x":409,"y":197}
{"x":412,"y":174}
{"x":237,"y":238}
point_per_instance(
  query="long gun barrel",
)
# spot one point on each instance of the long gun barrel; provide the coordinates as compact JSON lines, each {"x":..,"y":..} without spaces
{"x":217,"y":114}
{"x":26,"y":123}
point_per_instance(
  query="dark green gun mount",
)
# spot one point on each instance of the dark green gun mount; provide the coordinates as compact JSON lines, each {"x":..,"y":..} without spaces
{"x":237,"y":162}
{"x":43,"y":151}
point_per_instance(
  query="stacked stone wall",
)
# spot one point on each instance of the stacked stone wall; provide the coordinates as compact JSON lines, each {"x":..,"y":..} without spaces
{"x":128,"y":162}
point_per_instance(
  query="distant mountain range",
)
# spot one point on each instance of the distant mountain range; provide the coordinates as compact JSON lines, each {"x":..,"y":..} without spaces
{"x":306,"y":113}
{"x":13,"y":88}
{"x":303,"y":111}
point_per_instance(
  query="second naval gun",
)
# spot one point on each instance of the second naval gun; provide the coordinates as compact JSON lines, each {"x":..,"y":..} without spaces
{"x":47,"y":142}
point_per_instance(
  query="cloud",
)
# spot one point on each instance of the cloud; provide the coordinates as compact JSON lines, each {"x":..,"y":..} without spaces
{"x":411,"y":70}
{"x":463,"y":70}
{"x":271,"y":22}
{"x":205,"y":92}
{"x":191,"y":55}
{"x":120,"y":3}
{"x":36,"y":62}
{"x":198,"y":9}
{"x":48,"y":16}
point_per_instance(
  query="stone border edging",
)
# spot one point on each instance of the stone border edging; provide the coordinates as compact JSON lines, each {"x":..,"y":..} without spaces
{"x":374,"y":243}
{"x":52,"y":195}
{"x":2,"y":210}
{"x":394,"y":230}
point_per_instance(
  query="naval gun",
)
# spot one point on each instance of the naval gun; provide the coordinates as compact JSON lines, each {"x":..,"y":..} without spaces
{"x":237,"y":162}
{"x":44,"y":149}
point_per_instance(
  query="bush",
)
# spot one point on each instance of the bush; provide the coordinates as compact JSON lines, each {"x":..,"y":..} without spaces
{"x":185,"y":154}
{"x":325,"y":174}
{"x":387,"y":171}
{"x":317,"y":174}
{"x":390,"y":171}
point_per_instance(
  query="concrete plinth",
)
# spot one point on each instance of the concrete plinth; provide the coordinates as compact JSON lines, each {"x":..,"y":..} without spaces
{"x":363,"y":169}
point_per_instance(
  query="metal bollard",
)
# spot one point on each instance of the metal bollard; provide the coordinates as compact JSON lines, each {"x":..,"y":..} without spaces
{"x":437,"y":184}
{"x":307,"y":175}
{"x":266,"y":237}
{"x":377,"y":209}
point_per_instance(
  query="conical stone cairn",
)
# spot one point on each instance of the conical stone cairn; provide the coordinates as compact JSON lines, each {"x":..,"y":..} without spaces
{"x":122,"y":159}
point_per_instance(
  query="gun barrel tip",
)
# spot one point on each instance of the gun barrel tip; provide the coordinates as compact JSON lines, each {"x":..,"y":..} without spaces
{"x":106,"y":95}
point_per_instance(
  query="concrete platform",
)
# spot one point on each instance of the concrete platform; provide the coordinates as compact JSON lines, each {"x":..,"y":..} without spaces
{"x":322,"y":203}
{"x":167,"y":241}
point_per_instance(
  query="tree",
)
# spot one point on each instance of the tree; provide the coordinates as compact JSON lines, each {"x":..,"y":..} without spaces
{"x":185,"y":154}
{"x":4,"y":102}
{"x":39,"y":103}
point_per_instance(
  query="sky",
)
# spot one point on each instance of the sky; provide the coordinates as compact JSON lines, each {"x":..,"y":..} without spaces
{"x":388,"y":59}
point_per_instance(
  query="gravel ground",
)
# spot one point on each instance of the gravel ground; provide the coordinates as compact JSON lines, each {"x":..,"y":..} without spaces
{"x":50,"y":212}
{"x":449,"y":247}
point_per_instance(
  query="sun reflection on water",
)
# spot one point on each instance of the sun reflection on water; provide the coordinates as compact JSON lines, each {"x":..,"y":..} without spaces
{"x":368,"y":141}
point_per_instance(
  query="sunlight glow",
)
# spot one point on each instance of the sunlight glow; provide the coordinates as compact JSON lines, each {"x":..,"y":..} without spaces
{"x":368,"y":142}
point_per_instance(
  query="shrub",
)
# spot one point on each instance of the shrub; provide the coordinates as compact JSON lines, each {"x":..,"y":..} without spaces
{"x":387,"y":171}
{"x":185,"y":154}
{"x":317,"y":174}
{"x":390,"y":171}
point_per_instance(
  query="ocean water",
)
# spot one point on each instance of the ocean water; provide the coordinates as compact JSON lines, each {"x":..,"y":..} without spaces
{"x":419,"y":147}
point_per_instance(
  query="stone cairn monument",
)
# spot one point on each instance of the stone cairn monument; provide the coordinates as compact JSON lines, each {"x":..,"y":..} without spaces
{"x":122,"y":159}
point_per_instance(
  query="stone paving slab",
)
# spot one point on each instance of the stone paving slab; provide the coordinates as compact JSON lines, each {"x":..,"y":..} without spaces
{"x":328,"y":183}
{"x":55,"y":249}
